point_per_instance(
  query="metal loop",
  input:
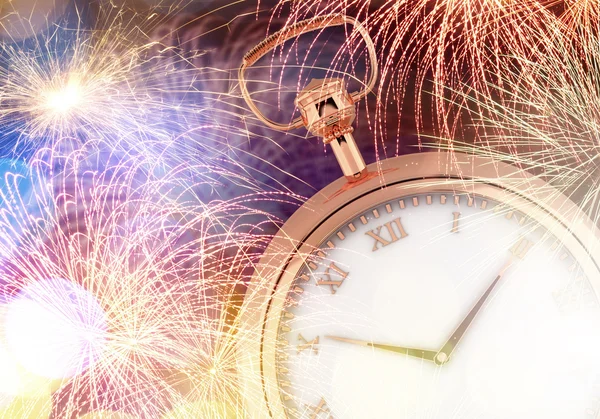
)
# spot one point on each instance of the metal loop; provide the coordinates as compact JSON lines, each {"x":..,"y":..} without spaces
{"x":297,"y":29}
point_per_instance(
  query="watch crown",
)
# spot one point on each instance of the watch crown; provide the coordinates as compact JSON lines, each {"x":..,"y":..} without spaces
{"x":325,"y":104}
{"x":328,"y":111}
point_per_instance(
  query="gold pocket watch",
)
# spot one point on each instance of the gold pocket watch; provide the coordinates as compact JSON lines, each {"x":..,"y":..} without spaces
{"x":432,"y":285}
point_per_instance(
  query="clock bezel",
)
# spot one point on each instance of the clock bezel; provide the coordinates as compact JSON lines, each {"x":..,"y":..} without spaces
{"x":332,"y":207}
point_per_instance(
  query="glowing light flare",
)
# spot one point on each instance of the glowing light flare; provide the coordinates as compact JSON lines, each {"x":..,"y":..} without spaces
{"x":55,"y":328}
{"x":110,"y":85}
{"x":65,"y":102}
{"x":65,"y":99}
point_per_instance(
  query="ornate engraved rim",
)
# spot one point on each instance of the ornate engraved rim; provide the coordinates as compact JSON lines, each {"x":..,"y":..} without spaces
{"x":323,"y":214}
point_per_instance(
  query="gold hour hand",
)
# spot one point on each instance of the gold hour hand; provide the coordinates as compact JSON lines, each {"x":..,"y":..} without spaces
{"x":417,"y":353}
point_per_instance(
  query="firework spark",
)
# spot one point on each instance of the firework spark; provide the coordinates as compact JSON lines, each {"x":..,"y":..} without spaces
{"x":143,"y":253}
{"x":547,"y":119}
{"x":130,"y":271}
{"x":129,"y":242}
{"x":125,"y":245}
{"x":121,"y":82}
{"x":435,"y":53}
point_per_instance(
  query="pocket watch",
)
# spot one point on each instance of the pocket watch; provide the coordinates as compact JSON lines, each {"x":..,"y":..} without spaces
{"x":432,"y":285}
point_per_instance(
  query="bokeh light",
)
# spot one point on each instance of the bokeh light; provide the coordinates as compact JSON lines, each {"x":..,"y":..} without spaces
{"x":55,"y":328}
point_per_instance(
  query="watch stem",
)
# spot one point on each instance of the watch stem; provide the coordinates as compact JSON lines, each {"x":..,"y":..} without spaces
{"x":348,"y":156}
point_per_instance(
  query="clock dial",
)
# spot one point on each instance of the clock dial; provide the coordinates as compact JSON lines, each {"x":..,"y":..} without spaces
{"x":440,"y":305}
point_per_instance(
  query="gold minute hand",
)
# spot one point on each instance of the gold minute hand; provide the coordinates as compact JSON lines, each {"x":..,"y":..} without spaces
{"x":417,"y":353}
{"x":444,"y":354}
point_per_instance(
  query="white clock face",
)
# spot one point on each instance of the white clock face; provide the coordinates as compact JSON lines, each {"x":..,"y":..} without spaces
{"x":440,"y":306}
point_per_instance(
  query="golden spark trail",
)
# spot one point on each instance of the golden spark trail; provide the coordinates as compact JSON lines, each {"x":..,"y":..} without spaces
{"x":158,"y":262}
{"x":432,"y":53}
{"x":548,"y":118}
{"x":119,"y":262}
{"x":120,"y":82}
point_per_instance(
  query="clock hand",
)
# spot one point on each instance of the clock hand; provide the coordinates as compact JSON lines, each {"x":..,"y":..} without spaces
{"x":417,"y":353}
{"x":444,"y":354}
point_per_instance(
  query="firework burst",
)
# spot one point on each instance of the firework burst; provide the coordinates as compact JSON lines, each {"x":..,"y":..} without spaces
{"x":433,"y":54}
{"x":547,"y":118}
{"x":120,"y":258}
{"x":48,"y":99}
{"x":142,"y":255}
{"x":115,"y":284}
{"x":121,"y":83}
{"x":580,"y":14}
